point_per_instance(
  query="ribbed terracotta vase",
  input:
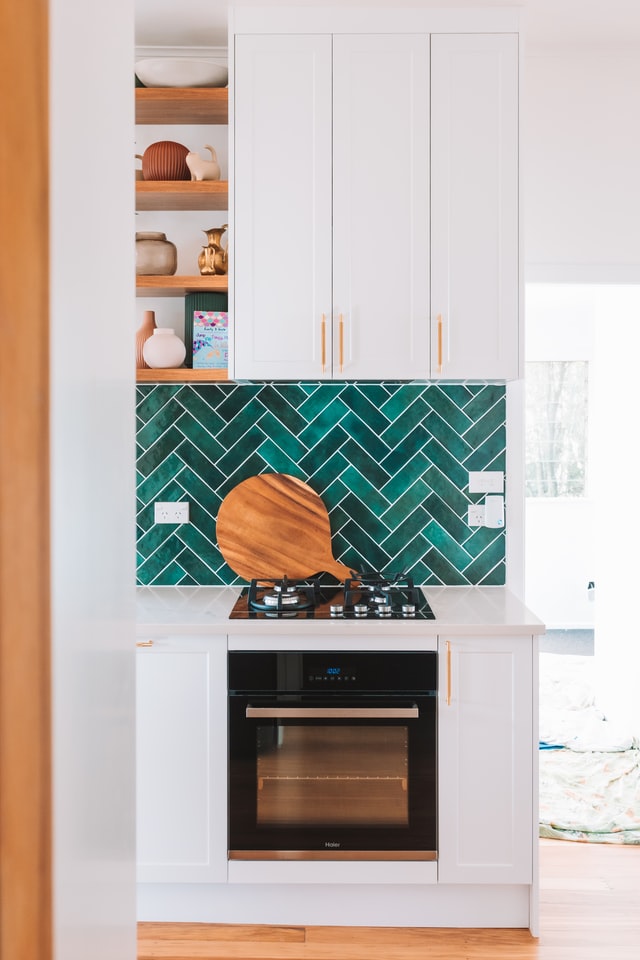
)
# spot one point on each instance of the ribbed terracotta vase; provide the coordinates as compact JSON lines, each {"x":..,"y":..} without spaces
{"x":165,"y":160}
{"x":144,"y":331}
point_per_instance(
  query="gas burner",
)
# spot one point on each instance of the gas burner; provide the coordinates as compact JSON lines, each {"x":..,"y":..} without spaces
{"x":276,"y":596}
{"x":380,"y":596}
{"x":377,"y":598}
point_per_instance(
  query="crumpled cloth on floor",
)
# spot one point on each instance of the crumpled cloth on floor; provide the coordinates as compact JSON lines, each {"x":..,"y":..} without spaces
{"x":590,"y":782}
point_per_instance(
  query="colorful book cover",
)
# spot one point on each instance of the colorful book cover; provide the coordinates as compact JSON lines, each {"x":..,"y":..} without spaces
{"x":210,"y":340}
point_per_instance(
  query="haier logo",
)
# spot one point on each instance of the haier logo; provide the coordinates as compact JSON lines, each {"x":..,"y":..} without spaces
{"x":331,"y":844}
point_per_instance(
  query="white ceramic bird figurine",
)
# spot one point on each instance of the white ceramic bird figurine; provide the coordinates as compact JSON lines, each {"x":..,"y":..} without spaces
{"x":202,"y":169}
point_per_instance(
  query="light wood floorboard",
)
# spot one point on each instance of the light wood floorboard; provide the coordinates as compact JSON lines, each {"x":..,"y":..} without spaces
{"x":589,"y":910}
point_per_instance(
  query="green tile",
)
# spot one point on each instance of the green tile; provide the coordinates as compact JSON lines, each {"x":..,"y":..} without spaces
{"x":154,"y":456}
{"x":407,"y":450}
{"x":446,"y":517}
{"x":281,"y":411}
{"x":365,"y":464}
{"x":323,"y":450}
{"x":409,"y":418}
{"x":362,"y":434}
{"x":442,"y":571}
{"x":410,"y":472}
{"x":405,"y":531}
{"x":160,"y":485}
{"x":363,"y":448}
{"x":441,"y":403}
{"x":279,"y":434}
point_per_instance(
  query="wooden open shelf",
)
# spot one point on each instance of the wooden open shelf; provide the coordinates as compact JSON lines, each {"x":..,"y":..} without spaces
{"x":182,"y":194}
{"x":180,"y":375}
{"x":182,"y":105}
{"x":179,"y":286}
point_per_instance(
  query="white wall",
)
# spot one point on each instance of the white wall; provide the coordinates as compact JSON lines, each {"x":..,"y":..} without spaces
{"x":559,"y":542}
{"x":92,"y":480}
{"x":582,"y":223}
{"x":581,"y":145}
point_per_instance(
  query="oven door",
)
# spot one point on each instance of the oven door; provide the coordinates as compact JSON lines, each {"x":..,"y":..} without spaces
{"x":345,"y":778}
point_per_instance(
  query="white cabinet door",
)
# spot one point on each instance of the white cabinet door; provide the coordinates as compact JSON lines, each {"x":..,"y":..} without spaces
{"x":282,"y":207}
{"x":381,"y":206}
{"x":486,"y":757}
{"x":474,"y":206}
{"x":181,"y":816}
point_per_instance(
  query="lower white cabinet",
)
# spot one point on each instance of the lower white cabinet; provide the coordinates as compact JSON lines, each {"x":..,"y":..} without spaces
{"x":181,"y":813}
{"x":486,"y":760}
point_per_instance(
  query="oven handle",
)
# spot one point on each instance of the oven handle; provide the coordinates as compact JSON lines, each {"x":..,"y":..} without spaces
{"x":338,"y":713}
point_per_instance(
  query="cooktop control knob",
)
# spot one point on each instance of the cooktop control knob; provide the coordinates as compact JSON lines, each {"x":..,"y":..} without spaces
{"x":336,"y":609}
{"x":408,"y":609}
{"x":384,"y":610}
{"x":360,"y":609}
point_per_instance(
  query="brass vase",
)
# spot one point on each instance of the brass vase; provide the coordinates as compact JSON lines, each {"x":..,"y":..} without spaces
{"x":213,"y":259}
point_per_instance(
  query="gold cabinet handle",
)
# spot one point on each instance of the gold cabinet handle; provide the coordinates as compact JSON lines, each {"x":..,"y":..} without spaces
{"x":439,"y":343}
{"x":341,"y":340}
{"x":448,"y":674}
{"x":323,"y":333}
{"x":144,"y":643}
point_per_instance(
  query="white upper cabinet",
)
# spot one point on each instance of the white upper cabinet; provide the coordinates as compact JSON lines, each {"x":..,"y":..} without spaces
{"x":331,"y":207}
{"x":474,"y":206}
{"x":375,"y":197}
{"x":282,"y":207}
{"x":380,"y":207}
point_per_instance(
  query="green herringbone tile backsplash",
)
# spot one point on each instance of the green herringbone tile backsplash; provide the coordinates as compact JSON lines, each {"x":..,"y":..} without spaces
{"x":390,"y":461}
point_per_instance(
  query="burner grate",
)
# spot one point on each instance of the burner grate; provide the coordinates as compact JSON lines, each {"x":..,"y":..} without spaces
{"x":282,"y":595}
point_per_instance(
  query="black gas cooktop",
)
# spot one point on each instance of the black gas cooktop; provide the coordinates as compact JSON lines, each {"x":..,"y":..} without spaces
{"x":362,"y":597}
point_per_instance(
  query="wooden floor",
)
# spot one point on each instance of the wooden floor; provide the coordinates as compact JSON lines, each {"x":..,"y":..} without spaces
{"x":590,"y":910}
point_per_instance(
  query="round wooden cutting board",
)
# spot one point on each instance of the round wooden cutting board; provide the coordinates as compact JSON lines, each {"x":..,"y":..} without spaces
{"x":273,"y":526}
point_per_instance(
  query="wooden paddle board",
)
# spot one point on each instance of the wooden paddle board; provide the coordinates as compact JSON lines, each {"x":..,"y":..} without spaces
{"x":272,"y":526}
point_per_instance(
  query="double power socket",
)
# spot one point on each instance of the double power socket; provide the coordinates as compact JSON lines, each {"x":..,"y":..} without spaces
{"x":491,"y":512}
{"x":171,"y":512}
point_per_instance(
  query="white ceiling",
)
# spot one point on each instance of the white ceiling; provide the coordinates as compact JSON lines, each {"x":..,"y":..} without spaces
{"x":601,"y":23}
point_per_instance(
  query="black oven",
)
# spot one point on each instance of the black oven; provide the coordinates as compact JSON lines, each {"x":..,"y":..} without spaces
{"x":332,"y":755}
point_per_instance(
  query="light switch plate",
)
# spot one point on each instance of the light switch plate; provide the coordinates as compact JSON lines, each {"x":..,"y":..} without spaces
{"x":486,"y":481}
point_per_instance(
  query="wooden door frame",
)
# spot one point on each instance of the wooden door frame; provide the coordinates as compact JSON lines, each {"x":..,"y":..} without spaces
{"x":25,"y":670}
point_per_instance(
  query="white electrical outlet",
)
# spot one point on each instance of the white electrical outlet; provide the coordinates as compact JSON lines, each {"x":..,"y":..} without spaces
{"x":486,"y":481}
{"x":173,"y":512}
{"x":475,"y":515}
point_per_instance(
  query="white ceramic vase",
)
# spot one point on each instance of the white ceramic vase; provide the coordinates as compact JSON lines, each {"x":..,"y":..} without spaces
{"x":163,"y":349}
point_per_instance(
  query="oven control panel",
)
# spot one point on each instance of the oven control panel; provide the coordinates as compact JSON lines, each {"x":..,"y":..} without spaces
{"x":333,"y":675}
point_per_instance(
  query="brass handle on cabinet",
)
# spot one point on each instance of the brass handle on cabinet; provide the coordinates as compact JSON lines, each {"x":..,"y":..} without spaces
{"x":144,"y":643}
{"x":439,"y":343}
{"x":341,"y":340}
{"x":323,"y":329}
{"x":448,"y":674}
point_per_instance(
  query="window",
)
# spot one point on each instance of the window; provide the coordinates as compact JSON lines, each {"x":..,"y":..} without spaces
{"x":556,"y":431}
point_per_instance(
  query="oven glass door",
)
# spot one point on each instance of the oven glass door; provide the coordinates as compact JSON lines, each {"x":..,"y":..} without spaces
{"x":356,"y":777}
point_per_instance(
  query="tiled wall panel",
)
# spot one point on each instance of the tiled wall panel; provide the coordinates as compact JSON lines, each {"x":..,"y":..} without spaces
{"x":390,"y":461}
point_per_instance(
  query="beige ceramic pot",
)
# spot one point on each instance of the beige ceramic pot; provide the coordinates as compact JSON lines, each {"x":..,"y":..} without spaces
{"x":155,"y":255}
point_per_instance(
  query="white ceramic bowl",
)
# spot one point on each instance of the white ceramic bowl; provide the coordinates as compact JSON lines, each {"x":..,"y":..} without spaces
{"x":181,"y":72}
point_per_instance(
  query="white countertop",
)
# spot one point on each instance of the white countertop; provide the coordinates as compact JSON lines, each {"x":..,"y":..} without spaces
{"x":461,"y":611}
